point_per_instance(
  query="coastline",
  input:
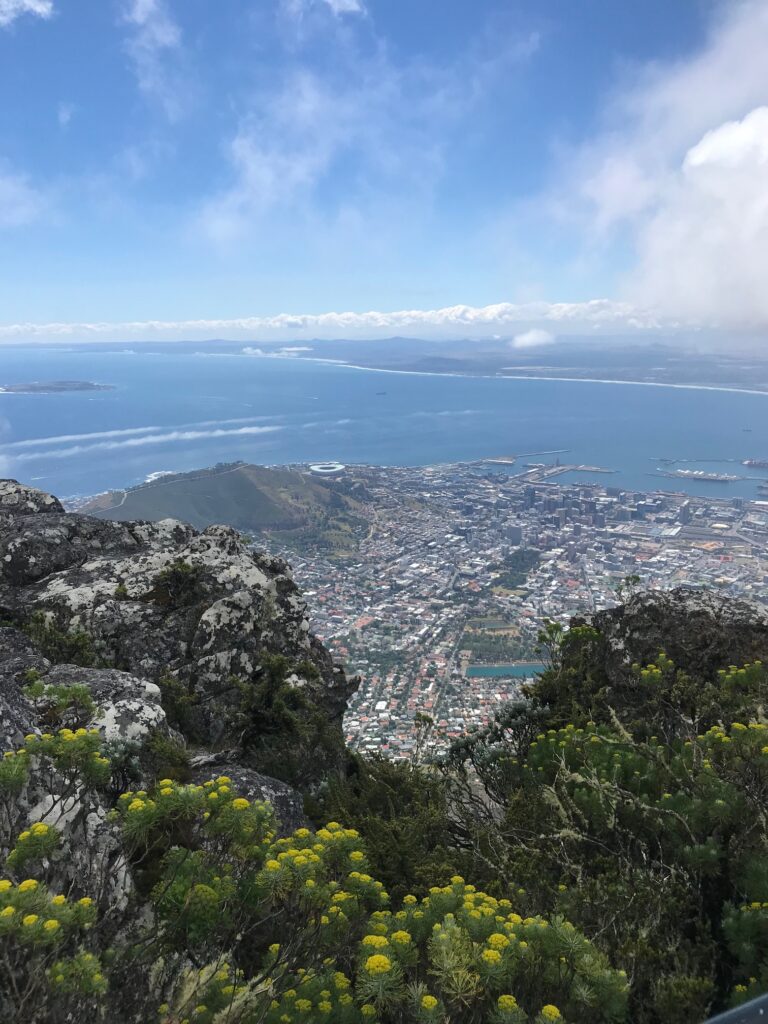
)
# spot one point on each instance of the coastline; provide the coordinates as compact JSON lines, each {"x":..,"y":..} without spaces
{"x":568,"y":380}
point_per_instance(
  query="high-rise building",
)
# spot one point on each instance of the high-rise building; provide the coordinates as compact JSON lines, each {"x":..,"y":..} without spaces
{"x":514,"y":533}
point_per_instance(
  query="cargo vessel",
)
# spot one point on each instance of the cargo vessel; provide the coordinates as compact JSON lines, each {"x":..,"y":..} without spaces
{"x":699,"y":474}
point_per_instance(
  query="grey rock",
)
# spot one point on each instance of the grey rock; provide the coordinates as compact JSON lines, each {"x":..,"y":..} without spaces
{"x":90,"y":859}
{"x":18,"y":500}
{"x":699,"y":630}
{"x":17,"y":715}
{"x":127,"y":708}
{"x":286,"y":802}
{"x":218,"y":620}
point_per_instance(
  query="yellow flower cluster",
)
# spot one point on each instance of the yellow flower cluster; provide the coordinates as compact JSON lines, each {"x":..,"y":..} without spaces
{"x":30,"y":912}
{"x":213,"y":806}
{"x":550,"y":1012}
{"x":38,"y":829}
{"x":378,"y":964}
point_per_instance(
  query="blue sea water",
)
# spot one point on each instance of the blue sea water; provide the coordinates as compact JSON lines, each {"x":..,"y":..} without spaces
{"x":185,"y":407}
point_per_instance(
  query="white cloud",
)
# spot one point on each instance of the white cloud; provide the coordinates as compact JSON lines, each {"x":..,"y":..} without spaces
{"x":20,"y":203}
{"x":10,"y":10}
{"x":100,"y":435}
{"x":64,"y":114}
{"x":345,"y":6}
{"x":680,"y":165}
{"x":704,"y":251}
{"x":154,"y":42}
{"x":394,"y":122}
{"x":280,"y":151}
{"x":449,"y":322}
{"x":664,"y":109}
{"x":535,"y":338}
{"x":299,"y":9}
{"x":172,"y":437}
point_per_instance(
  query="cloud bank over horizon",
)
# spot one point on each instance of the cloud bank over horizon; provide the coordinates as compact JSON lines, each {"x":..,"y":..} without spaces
{"x":519,"y":320}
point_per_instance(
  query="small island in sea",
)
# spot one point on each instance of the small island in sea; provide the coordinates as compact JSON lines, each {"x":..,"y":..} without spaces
{"x":50,"y":387}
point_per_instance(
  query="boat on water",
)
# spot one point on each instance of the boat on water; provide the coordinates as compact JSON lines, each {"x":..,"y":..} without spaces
{"x":755,"y":463}
{"x":700,"y":474}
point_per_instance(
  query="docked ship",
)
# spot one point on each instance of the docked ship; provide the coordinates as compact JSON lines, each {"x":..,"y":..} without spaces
{"x":755,"y":463}
{"x":700,"y":474}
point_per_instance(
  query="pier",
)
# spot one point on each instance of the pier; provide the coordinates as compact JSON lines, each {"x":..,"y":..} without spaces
{"x":510,"y":460}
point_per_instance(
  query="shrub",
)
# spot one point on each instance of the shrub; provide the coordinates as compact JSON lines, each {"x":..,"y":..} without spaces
{"x":178,"y":585}
{"x":242,"y":926}
{"x":652,"y":843}
{"x":59,"y":705}
{"x":179,"y":702}
{"x":70,"y":647}
{"x":165,"y":756}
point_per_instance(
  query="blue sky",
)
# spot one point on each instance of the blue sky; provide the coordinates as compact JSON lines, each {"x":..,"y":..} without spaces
{"x":164,"y":162}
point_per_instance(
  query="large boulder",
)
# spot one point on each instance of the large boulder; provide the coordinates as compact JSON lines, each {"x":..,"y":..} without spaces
{"x":126,"y":708}
{"x":285,"y":801}
{"x":700,"y":630}
{"x":18,"y":500}
{"x":200,"y":614}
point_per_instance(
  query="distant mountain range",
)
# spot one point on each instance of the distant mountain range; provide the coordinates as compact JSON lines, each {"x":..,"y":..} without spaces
{"x":620,"y":359}
{"x":684,"y":360}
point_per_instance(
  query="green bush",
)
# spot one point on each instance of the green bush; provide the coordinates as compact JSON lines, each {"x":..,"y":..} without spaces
{"x":179,"y":703}
{"x":178,"y":585}
{"x":617,"y":828}
{"x":644,"y":825}
{"x":280,"y":727}
{"x":245,"y":927}
{"x":403,"y":811}
{"x":70,"y":647}
{"x":58,"y":705}
{"x":165,"y":756}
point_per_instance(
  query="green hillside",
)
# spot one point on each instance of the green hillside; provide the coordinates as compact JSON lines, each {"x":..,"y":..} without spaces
{"x":295,"y":507}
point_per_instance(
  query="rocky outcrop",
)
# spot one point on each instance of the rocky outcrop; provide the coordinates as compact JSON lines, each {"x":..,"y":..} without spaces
{"x":162,"y":604}
{"x":18,"y":500}
{"x":17,"y":715}
{"x":126,"y":709}
{"x":701,"y":631}
{"x":172,"y":630}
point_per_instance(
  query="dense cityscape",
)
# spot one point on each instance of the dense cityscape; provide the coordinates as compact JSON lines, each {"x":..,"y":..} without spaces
{"x":461,"y":565}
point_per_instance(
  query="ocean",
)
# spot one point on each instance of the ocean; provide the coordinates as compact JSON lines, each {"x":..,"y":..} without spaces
{"x":185,"y":407}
